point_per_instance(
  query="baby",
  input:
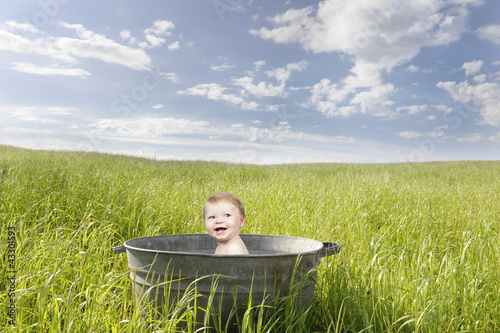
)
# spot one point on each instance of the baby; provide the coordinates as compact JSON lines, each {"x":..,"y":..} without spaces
{"x":224,"y":216}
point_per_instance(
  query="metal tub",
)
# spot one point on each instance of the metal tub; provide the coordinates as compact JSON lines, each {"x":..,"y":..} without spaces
{"x":271,"y":265}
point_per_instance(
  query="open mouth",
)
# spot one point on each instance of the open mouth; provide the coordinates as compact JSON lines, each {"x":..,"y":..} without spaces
{"x":220,"y":230}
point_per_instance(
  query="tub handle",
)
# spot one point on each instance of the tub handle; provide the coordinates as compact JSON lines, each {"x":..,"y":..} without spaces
{"x":329,"y":248}
{"x":119,"y":249}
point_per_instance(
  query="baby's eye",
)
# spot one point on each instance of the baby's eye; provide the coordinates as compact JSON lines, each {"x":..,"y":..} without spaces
{"x":227,"y":215}
{"x":211,"y":217}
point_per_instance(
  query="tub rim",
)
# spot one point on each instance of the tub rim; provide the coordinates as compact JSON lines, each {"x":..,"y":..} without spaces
{"x":324,"y":248}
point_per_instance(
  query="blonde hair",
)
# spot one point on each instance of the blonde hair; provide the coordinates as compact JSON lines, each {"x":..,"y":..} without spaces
{"x":225,"y":197}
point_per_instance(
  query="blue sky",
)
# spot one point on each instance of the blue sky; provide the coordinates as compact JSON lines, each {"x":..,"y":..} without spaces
{"x":254,"y":81}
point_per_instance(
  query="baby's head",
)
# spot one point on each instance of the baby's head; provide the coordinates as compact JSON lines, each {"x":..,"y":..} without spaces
{"x":227,"y":198}
{"x":224,"y":216}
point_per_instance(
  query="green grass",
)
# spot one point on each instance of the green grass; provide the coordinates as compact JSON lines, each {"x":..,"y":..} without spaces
{"x":420,"y":242}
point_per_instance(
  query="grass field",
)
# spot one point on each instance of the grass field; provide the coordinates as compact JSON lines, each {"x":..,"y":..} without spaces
{"x":420,"y":241}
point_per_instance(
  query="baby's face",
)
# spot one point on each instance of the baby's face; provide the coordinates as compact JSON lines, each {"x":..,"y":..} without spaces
{"x":223,"y":221}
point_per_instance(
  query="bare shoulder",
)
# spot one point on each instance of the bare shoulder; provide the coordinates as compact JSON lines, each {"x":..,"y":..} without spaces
{"x":239,"y":248}
{"x":235,"y":247}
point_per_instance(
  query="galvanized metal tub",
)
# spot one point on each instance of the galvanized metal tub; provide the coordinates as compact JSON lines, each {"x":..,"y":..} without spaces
{"x":272,"y":263}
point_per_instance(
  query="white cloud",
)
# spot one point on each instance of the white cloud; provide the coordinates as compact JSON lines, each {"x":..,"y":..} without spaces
{"x":160,"y":29}
{"x":22,"y":26}
{"x":92,"y":45}
{"x":478,"y":137}
{"x":171,"y":76}
{"x":375,"y":100}
{"x":444,"y":108}
{"x":377,"y":34}
{"x":283,"y":74}
{"x":150,"y":126}
{"x":496,"y":76}
{"x":12,"y":42}
{"x":259,"y":64}
{"x":484,"y":96}
{"x":266,"y":89}
{"x":249,"y":105}
{"x":472,"y":67}
{"x":87,"y":44}
{"x":366,"y":74}
{"x":409,"y":134}
{"x":224,"y":66}
{"x":42,"y":114}
{"x":416,"y":69}
{"x":14,"y":131}
{"x":221,"y":68}
{"x":412,"y":109}
{"x":56,"y":110}
{"x":379,"y":31}
{"x":66,"y":49}
{"x":155,"y":127}
{"x":275,"y":107}
{"x":154,"y":40}
{"x":261,"y":89}
{"x":490,"y":32}
{"x":34,"y":69}
{"x":412,"y":68}
{"x":125,"y":34}
{"x":326,"y":97}
{"x":472,"y":137}
{"x":213,"y":91}
{"x":154,"y":36}
{"x":416,"y":135}
{"x":293,"y":27}
{"x":480,"y":78}
{"x":494,"y":137}
{"x":157,"y":106}
{"x":174,"y":46}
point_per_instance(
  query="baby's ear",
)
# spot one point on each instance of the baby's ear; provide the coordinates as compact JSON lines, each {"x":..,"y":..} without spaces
{"x":242,"y":221}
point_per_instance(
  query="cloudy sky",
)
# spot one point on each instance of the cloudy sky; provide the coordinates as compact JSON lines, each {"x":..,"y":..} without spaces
{"x":254,"y":81}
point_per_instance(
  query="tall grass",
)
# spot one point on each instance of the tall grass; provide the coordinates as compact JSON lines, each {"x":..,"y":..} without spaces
{"x":420,"y":242}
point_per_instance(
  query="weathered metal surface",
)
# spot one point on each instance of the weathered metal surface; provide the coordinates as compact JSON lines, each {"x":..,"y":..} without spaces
{"x":184,"y":258}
